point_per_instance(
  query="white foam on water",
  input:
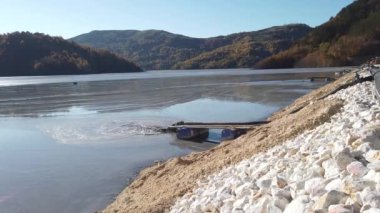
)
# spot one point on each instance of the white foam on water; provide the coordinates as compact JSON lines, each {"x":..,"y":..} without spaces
{"x":87,"y":131}
{"x":72,"y":111}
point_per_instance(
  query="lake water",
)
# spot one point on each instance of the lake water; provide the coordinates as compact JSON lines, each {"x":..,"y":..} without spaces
{"x":72,"y":147}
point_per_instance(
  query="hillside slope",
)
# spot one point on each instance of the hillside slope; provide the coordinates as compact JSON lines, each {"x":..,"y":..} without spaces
{"x":350,"y":38}
{"x":246,"y":49}
{"x":154,"y":49}
{"x":27,"y":54}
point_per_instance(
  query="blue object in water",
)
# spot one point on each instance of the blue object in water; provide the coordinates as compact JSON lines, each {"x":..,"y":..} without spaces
{"x":229,"y":134}
{"x":192,"y":134}
{"x":184,"y":133}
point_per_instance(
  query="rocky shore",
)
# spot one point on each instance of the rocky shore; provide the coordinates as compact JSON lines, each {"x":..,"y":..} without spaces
{"x":320,"y":154}
{"x":332,"y":168}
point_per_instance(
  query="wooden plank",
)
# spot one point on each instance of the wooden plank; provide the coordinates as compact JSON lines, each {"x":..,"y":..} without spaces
{"x":181,"y":123}
{"x":320,"y":78}
{"x":199,"y":125}
{"x":214,"y":126}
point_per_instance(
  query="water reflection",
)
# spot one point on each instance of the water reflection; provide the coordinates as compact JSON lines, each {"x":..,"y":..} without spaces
{"x":121,"y":95}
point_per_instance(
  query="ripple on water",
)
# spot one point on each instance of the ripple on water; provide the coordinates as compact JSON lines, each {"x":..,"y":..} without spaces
{"x":98,"y":131}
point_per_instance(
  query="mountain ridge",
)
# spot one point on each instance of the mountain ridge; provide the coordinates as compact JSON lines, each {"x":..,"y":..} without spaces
{"x":31,"y":54}
{"x":350,"y":38}
{"x":159,"y":49}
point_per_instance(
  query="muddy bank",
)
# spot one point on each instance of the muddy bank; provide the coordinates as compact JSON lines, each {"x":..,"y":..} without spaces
{"x":156,"y":188}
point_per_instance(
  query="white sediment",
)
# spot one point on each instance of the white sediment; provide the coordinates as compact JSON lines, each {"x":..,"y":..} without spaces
{"x":332,"y":168}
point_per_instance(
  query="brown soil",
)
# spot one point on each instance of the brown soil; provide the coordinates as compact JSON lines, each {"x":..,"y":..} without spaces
{"x":156,"y":188}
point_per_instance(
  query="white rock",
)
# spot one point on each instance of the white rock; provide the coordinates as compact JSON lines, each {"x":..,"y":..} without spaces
{"x":370,"y":197}
{"x":240,"y":203}
{"x":344,"y":158}
{"x":324,"y":156}
{"x":301,"y":204}
{"x":196,"y":207}
{"x":329,"y":198}
{"x":372,"y":155}
{"x":350,"y":139}
{"x":335,"y":184}
{"x":357,"y":143}
{"x":372,"y":210}
{"x":375,"y":165}
{"x":209,"y":207}
{"x":331,"y":168}
{"x":262,"y":204}
{"x":372,"y":135}
{"x":227,"y":206}
{"x":364,"y":113}
{"x":296,"y":188}
{"x":297,"y":174}
{"x":315,"y":187}
{"x":351,"y":186}
{"x":355,"y":206}
{"x":316,"y":171}
{"x":264,"y":184}
{"x":285,"y":193}
{"x":338,"y":147}
{"x":280,"y":202}
{"x":340,"y":208}
{"x":365,"y":147}
{"x":358,"y":124}
{"x":357,"y":169}
{"x":292,"y":151}
{"x":280,"y":182}
{"x":273,"y":209}
{"x":244,"y":190}
{"x":365,"y":207}
{"x":323,"y":152}
{"x":371,"y":175}
{"x":377,"y":179}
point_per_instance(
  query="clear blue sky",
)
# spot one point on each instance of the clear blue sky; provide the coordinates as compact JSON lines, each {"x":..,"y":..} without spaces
{"x":197,"y":18}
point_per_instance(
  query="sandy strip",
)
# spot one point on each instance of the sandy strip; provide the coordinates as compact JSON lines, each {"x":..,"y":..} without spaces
{"x":157,"y":188}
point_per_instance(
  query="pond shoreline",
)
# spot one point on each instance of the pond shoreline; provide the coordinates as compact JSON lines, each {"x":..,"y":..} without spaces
{"x":157,"y":188}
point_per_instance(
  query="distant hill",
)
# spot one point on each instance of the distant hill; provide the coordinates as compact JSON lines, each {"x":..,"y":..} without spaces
{"x":154,"y":49}
{"x":27,"y":54}
{"x":350,"y":38}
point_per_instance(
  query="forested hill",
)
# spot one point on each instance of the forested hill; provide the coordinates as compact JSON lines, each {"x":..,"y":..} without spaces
{"x":155,"y":49}
{"x":27,"y":54}
{"x":350,"y":38}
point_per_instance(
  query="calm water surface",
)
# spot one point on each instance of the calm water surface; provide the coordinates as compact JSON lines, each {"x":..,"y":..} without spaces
{"x":68,"y":147}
